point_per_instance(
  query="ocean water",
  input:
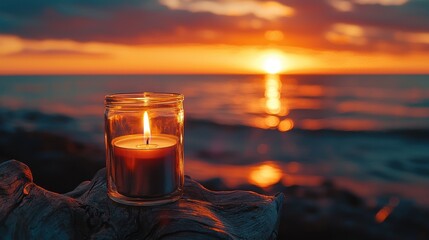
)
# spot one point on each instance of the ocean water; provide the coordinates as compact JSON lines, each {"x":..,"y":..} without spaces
{"x":368,"y":133}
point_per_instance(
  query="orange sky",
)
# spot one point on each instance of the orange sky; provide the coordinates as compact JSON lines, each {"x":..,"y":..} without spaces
{"x":218,"y":36}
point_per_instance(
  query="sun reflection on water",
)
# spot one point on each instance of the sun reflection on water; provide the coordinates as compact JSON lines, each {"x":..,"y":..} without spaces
{"x":276,"y":106}
{"x":265,"y":175}
{"x":273,"y":87}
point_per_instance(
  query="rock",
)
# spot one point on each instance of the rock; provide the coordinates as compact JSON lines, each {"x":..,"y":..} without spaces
{"x":28,"y":211}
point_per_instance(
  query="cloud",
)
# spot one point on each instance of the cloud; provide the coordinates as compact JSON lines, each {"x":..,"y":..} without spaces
{"x":296,"y":23}
{"x":10,"y":44}
{"x":413,"y":16}
{"x":382,"y":2}
{"x":348,"y":5}
{"x":56,"y":53}
{"x":262,"y":9}
{"x":341,"y":5}
{"x":346,"y":34}
{"x":422,"y":38}
{"x":15,"y":46}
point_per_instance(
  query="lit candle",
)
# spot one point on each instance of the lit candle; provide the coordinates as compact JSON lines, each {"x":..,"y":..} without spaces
{"x":145,"y":165}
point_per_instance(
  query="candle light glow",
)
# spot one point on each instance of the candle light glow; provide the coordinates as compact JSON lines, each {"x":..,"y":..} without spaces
{"x":146,"y":128}
{"x":146,"y":151}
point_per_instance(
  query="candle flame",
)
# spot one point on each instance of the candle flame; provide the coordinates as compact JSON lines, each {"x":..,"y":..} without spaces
{"x":146,"y":128}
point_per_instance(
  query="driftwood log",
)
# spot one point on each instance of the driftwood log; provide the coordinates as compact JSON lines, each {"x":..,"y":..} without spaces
{"x":28,"y":211}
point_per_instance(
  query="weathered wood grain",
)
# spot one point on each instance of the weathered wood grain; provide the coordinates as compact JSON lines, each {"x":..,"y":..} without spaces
{"x":28,"y":211}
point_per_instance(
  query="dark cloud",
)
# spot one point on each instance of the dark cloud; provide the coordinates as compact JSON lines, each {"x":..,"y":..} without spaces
{"x":148,"y":22}
{"x":412,"y":16}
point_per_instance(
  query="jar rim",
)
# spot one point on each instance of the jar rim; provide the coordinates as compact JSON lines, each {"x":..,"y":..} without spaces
{"x":143,"y":98}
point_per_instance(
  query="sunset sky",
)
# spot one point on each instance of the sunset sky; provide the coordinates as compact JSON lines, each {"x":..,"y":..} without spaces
{"x":213,"y":36}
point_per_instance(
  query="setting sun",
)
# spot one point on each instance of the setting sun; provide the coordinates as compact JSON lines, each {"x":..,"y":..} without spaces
{"x":273,"y":63}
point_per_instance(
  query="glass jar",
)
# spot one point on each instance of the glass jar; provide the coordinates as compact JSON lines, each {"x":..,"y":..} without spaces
{"x":144,"y":147}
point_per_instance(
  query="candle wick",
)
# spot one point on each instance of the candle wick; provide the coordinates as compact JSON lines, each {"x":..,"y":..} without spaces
{"x":147,"y":141}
